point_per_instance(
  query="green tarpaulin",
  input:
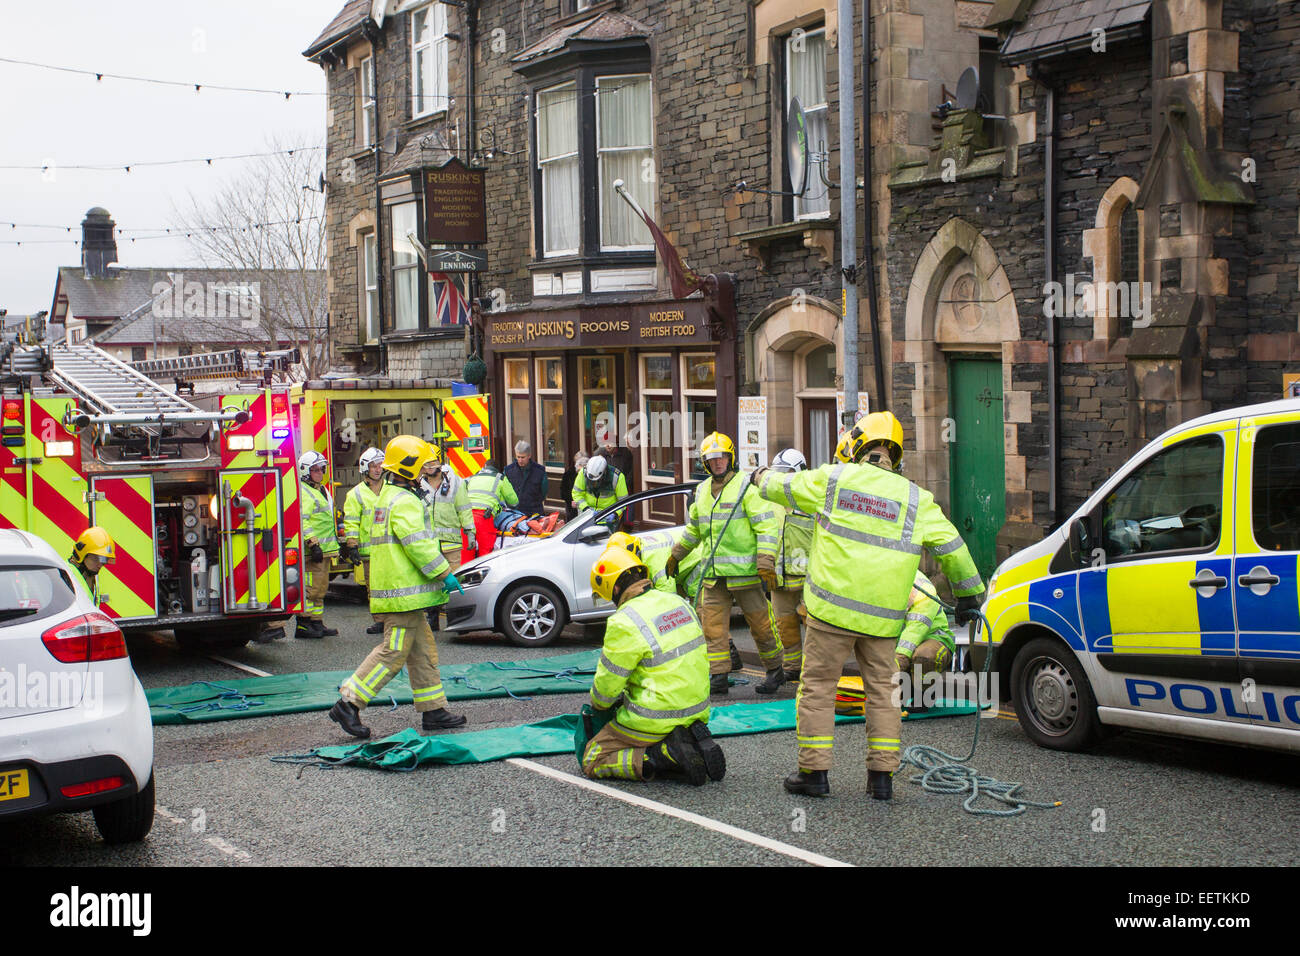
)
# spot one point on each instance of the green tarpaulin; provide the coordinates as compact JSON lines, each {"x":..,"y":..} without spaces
{"x":296,"y":693}
{"x":408,"y":749}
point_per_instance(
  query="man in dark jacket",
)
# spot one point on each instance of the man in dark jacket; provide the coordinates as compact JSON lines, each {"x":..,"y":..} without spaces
{"x":528,"y":478}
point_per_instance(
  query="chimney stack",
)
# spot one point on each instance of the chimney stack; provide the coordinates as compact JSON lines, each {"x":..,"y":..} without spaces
{"x":98,"y":246}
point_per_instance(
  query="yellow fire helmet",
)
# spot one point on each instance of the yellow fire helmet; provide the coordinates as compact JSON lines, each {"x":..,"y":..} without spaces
{"x":851,"y":445}
{"x":883,"y":427}
{"x":718,"y":445}
{"x":94,"y":540}
{"x":405,"y":456}
{"x":612,"y":568}
{"x":628,"y":542}
{"x":437,"y":454}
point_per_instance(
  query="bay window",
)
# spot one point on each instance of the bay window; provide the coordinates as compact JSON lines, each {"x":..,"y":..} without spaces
{"x":624,"y":150}
{"x":406,"y":269}
{"x":557,"y":162}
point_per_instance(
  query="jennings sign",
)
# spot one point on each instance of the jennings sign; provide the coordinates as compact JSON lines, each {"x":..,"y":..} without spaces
{"x":455,"y":204}
{"x":640,"y":324}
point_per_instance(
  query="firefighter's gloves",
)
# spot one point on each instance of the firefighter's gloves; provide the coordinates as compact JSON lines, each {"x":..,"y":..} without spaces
{"x":314,"y":553}
{"x":767,"y":571}
{"x":471,"y":542}
{"x":968,"y":608}
{"x":670,"y":568}
{"x":452,"y":583}
{"x":351,"y":554}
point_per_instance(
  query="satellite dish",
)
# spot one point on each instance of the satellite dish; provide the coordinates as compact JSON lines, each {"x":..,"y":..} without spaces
{"x":968,"y":89}
{"x":796,"y":138}
{"x":390,"y":142}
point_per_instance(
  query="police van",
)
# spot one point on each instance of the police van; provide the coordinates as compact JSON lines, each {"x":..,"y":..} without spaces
{"x":1168,"y":602}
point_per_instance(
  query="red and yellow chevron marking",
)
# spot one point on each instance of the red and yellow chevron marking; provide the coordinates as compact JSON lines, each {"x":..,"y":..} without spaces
{"x":320,"y":427}
{"x":284,"y":522}
{"x":459,"y":415}
{"x":56,"y":505}
{"x":260,"y":488}
{"x":13,"y":489}
{"x":127,"y":587}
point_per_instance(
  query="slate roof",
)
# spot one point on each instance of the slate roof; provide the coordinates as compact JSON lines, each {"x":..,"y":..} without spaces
{"x":353,"y":14}
{"x":127,"y":296}
{"x":1052,"y":27}
{"x":425,"y":150}
{"x":604,"y":28}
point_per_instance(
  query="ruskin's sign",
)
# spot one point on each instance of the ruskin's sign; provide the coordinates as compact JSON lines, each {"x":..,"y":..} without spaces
{"x":455,"y":204}
{"x":644,"y":324}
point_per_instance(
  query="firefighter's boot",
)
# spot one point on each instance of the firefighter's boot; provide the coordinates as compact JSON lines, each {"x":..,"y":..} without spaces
{"x":736,"y":662}
{"x":719,"y":685}
{"x":676,"y":757}
{"x":715,"y":761}
{"x":376,"y":628}
{"x":812,"y":783}
{"x":326,"y":631}
{"x":346,"y":715}
{"x":308,"y":629}
{"x":441,"y":719}
{"x":881,"y":784}
{"x":775,"y":678}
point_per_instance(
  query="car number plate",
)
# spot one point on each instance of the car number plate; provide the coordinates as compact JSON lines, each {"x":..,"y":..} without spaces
{"x":14,"y":785}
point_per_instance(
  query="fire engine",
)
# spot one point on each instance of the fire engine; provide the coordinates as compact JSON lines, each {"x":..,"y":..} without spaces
{"x":201,"y":493}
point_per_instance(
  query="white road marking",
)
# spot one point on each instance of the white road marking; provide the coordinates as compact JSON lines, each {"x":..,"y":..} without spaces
{"x":242,"y":856}
{"x":238,"y":666}
{"x":726,"y":829}
{"x":167,"y":815}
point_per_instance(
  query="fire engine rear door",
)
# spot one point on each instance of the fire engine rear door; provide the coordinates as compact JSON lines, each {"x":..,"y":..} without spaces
{"x":252,"y":552}
{"x":128,"y":588}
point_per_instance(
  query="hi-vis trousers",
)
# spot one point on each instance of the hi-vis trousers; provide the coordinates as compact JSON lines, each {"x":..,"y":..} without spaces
{"x":788,"y":611}
{"x":407,"y":640}
{"x":318,"y":582}
{"x":618,"y":752}
{"x":715,"y":619}
{"x":824,"y":654}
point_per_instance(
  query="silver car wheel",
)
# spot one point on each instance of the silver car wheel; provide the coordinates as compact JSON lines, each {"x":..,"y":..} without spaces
{"x":533,"y":615}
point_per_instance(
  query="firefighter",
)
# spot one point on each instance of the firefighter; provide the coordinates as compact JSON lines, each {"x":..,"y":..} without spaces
{"x":791,"y":566}
{"x":320,"y":542}
{"x":651,"y":689}
{"x":448,"y":515}
{"x":926,"y":644}
{"x":599,"y":486}
{"x":744,"y":556}
{"x":358,"y":514}
{"x":91,"y":551}
{"x":488,"y":492}
{"x":872,"y":525}
{"x":409,"y":574}
{"x":654,"y":549}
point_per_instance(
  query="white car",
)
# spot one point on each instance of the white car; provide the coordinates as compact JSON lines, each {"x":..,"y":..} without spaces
{"x":75,"y":731}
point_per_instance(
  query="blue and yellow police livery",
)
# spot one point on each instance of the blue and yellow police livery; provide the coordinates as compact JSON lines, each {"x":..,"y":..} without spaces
{"x":1168,"y":602}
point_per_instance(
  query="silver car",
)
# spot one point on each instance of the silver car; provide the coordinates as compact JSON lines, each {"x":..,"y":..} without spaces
{"x":530,"y":590}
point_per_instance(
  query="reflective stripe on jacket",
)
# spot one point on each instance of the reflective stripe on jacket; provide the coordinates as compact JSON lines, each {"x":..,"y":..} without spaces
{"x":489,"y":492}
{"x":872,"y":526}
{"x":358,"y":515}
{"x":611,"y":490}
{"x":795,"y":547}
{"x":318,"y":518}
{"x":752,"y":532}
{"x":406,"y":563}
{"x":656,"y":547}
{"x":654,"y":654}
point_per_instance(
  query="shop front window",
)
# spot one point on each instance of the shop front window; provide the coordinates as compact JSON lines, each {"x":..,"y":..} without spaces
{"x":661,"y":454}
{"x":554,"y":454}
{"x":406,"y":271}
{"x":701,"y":372}
{"x":658,"y":372}
{"x":702,"y":414}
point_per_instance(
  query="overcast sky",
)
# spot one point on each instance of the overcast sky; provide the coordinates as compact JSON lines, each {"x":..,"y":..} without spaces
{"x":68,"y":119}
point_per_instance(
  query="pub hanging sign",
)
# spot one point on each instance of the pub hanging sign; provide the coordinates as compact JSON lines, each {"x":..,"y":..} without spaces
{"x":455,"y":204}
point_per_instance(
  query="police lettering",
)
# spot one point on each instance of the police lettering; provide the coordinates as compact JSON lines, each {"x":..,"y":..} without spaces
{"x":871,"y":505}
{"x":1204,"y":701}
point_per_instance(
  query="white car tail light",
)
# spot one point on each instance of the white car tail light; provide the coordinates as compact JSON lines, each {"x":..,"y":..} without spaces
{"x":90,"y":637}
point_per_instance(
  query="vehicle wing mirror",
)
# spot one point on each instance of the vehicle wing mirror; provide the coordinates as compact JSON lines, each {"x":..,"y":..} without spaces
{"x":594,"y":533}
{"x":1080,"y":543}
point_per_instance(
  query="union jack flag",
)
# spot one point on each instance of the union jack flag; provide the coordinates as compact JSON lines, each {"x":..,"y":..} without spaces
{"x":448,"y":303}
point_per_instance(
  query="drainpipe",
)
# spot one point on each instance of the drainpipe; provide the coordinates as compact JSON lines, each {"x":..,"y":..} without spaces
{"x":1049,"y":269}
{"x":868,"y":217}
{"x":373,"y":33}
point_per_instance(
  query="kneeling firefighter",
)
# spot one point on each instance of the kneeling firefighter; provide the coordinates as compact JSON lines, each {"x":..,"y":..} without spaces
{"x":407,"y":575}
{"x":650,"y":695}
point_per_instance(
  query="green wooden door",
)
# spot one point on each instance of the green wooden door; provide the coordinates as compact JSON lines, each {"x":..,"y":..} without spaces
{"x":975,"y":443}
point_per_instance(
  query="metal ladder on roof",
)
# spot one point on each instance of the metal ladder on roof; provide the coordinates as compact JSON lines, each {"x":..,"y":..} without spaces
{"x":113,"y":388}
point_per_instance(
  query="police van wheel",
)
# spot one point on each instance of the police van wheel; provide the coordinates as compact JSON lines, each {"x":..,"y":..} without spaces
{"x":1053,"y":699}
{"x":532,"y":615}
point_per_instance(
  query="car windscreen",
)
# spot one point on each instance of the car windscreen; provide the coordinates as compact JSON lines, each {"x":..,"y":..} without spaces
{"x":32,"y":593}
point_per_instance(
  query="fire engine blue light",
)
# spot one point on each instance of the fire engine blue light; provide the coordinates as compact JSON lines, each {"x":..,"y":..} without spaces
{"x":279,"y":433}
